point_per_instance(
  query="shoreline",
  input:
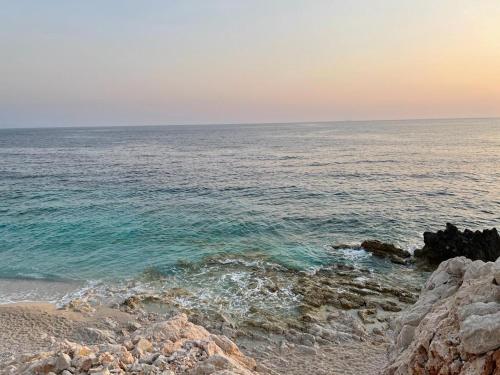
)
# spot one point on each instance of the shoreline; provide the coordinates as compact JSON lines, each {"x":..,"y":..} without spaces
{"x":49,"y":326}
{"x":340,"y":319}
{"x":136,"y":336}
{"x":287,"y":320}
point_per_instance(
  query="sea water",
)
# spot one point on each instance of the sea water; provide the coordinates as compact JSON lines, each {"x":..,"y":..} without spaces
{"x":206,"y":207}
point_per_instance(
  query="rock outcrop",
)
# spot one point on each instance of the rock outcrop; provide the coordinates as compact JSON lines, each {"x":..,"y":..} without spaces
{"x":449,"y":243}
{"x":170,"y":347}
{"x":386,"y":250}
{"x":454,"y":328}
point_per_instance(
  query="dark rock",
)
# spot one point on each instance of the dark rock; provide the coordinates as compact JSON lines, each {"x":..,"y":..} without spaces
{"x":449,"y":243}
{"x":342,"y":246}
{"x":386,"y":250}
{"x":398,"y":260}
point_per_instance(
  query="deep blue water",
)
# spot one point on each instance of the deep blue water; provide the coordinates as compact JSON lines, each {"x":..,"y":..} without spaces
{"x":109,"y":203}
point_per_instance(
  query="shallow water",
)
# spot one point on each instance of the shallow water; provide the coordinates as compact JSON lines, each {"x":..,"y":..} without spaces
{"x":132,"y":203}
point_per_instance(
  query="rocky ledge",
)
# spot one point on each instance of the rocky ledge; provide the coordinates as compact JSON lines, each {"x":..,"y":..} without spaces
{"x":454,"y":328}
{"x":169,"y":347}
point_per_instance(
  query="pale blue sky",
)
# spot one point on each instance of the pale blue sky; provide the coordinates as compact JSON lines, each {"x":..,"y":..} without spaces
{"x":77,"y":63}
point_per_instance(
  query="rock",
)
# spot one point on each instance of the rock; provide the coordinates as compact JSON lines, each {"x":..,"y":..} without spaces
{"x":84,"y":363}
{"x":303,"y":349}
{"x":386,"y":250}
{"x":81,"y":351}
{"x":144,"y":345}
{"x":99,"y":335}
{"x":127,"y":358}
{"x":496,"y":272}
{"x":479,"y":309}
{"x":445,"y":244}
{"x":481,"y":333}
{"x":106,"y":358}
{"x":168,"y":347}
{"x":79,"y":305}
{"x":63,"y":362}
{"x":389,"y":306}
{"x":133,"y":326}
{"x":100,"y":372}
{"x":42,"y":366}
{"x":131,"y":303}
{"x":454,"y":327}
{"x":367,"y":315}
{"x":346,"y":246}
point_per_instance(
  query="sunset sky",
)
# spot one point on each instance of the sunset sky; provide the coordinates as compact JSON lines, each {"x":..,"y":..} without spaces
{"x":124,"y":62}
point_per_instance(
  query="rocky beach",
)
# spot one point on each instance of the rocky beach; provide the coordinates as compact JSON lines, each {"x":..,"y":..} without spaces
{"x":346,"y":320}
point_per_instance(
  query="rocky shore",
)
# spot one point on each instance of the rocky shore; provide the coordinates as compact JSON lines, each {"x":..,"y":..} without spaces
{"x":343,"y":319}
{"x":342,"y":316}
{"x":81,"y":339}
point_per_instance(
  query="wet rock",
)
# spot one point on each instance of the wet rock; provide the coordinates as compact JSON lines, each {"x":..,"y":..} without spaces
{"x":346,"y":246}
{"x":386,"y":250}
{"x":445,"y":244}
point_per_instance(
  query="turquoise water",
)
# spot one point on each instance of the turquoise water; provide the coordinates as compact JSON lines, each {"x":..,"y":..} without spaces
{"x":120,"y":203}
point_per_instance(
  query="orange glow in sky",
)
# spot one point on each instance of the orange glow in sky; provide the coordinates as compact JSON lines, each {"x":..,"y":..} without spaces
{"x":157,"y":62}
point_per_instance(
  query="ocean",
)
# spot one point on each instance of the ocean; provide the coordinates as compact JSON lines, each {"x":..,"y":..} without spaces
{"x":213,"y":208}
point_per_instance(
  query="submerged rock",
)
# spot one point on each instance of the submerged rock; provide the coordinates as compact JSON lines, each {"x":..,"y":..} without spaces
{"x":445,"y":244}
{"x":386,"y":250}
{"x":454,"y":328}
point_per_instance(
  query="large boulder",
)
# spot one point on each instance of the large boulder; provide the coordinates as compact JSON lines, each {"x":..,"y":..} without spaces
{"x":449,"y":243}
{"x":454,"y":328}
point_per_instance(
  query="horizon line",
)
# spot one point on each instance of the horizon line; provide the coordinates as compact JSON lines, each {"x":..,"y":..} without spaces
{"x":249,"y":123}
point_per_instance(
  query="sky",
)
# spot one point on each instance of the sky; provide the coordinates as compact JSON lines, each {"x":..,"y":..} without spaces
{"x":129,"y":62}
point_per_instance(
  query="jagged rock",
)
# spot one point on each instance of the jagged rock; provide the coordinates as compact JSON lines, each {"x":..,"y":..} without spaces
{"x":175,"y":346}
{"x":445,"y":244}
{"x":454,"y":327}
{"x":386,"y":250}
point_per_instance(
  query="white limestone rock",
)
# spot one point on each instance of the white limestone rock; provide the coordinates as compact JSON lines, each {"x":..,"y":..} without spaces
{"x":454,"y":327}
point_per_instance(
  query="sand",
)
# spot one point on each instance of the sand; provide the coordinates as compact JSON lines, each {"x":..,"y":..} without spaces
{"x":32,"y":327}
